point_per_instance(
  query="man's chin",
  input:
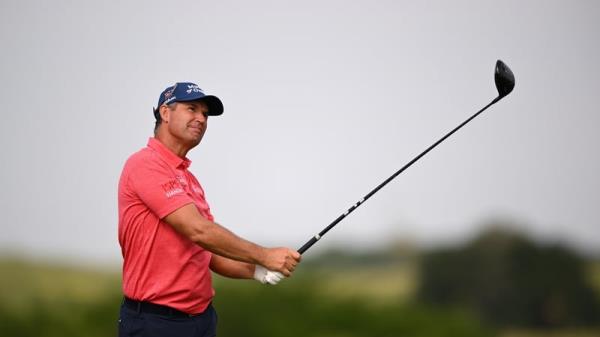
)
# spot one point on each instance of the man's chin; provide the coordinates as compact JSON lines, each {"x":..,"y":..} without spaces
{"x":195,"y":141}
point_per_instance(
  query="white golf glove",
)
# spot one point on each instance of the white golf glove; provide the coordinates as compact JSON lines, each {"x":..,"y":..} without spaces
{"x":263,"y":275}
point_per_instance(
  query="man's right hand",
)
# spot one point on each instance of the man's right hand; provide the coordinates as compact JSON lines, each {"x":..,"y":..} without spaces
{"x":281,"y":259}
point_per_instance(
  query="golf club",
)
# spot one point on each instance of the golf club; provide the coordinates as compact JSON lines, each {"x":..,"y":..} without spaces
{"x":505,"y":82}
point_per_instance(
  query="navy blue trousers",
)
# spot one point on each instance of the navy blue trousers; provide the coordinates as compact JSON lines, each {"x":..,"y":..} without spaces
{"x":143,"y":324}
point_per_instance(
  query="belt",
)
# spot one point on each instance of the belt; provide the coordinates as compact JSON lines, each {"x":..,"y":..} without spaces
{"x":157,"y":309}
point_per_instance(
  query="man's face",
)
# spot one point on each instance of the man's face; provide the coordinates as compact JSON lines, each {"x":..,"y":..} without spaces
{"x":187,"y":122}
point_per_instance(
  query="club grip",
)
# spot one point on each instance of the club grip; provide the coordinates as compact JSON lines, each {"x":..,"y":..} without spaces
{"x":307,"y":245}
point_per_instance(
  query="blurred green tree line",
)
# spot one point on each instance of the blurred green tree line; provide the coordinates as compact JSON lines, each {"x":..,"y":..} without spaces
{"x":509,"y":280}
{"x":498,"y":280}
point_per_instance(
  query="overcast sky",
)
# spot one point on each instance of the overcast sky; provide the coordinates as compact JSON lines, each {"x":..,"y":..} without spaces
{"x":323,"y":100}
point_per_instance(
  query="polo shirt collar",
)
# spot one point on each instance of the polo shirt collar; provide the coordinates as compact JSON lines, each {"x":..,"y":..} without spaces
{"x":170,"y":157}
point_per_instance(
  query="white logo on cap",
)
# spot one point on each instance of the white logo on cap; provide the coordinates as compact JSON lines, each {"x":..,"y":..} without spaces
{"x":194,"y":88}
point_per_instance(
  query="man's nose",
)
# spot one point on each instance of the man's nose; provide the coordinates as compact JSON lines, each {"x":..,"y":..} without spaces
{"x":202,"y":117}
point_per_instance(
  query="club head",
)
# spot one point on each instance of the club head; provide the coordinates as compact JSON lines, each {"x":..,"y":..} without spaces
{"x":504,"y":78}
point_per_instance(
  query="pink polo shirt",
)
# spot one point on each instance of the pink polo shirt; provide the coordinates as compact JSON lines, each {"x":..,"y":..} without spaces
{"x":160,"y":265}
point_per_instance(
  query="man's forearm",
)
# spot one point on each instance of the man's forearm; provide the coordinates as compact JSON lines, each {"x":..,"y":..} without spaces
{"x":223,"y":242}
{"x":214,"y":237}
{"x":231,"y":268}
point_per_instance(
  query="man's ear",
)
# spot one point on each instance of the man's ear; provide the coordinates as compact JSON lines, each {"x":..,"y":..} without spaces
{"x":164,"y":113}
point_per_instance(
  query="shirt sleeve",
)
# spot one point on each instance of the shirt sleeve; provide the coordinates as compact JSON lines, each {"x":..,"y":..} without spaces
{"x":158,"y":187}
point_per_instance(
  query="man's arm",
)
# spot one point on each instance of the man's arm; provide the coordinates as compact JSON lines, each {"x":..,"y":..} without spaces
{"x":220,"y":241}
{"x":231,"y":268}
{"x":235,"y":269}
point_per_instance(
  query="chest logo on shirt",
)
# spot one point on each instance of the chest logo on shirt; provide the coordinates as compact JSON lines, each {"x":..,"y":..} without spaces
{"x":171,"y":188}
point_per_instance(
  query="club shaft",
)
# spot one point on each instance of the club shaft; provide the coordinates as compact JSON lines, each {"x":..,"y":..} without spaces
{"x":317,"y":237}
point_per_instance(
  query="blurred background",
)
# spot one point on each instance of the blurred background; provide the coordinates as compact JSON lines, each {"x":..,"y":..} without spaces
{"x":494,"y":233}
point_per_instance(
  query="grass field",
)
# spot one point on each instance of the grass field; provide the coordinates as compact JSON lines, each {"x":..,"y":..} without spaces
{"x":379,"y":284}
{"x":64,"y":298}
{"x":24,"y":284}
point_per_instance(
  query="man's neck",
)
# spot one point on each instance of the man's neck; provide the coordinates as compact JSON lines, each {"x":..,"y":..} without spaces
{"x":172,"y":144}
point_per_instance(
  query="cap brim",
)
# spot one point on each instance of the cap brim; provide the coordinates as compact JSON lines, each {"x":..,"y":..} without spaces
{"x":215,"y":106}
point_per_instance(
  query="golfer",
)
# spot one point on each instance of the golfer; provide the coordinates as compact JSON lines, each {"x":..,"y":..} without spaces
{"x":169,"y":240}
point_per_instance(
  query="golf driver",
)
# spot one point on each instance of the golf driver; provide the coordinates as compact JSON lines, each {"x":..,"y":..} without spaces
{"x":505,"y":82}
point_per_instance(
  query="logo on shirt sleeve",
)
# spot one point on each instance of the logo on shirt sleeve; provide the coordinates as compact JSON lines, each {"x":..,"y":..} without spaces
{"x":172,"y":188}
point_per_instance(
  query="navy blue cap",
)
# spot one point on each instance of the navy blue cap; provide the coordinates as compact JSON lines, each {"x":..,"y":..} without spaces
{"x":187,"y":91}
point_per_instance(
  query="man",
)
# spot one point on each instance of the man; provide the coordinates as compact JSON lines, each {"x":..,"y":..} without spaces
{"x":169,"y":241}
